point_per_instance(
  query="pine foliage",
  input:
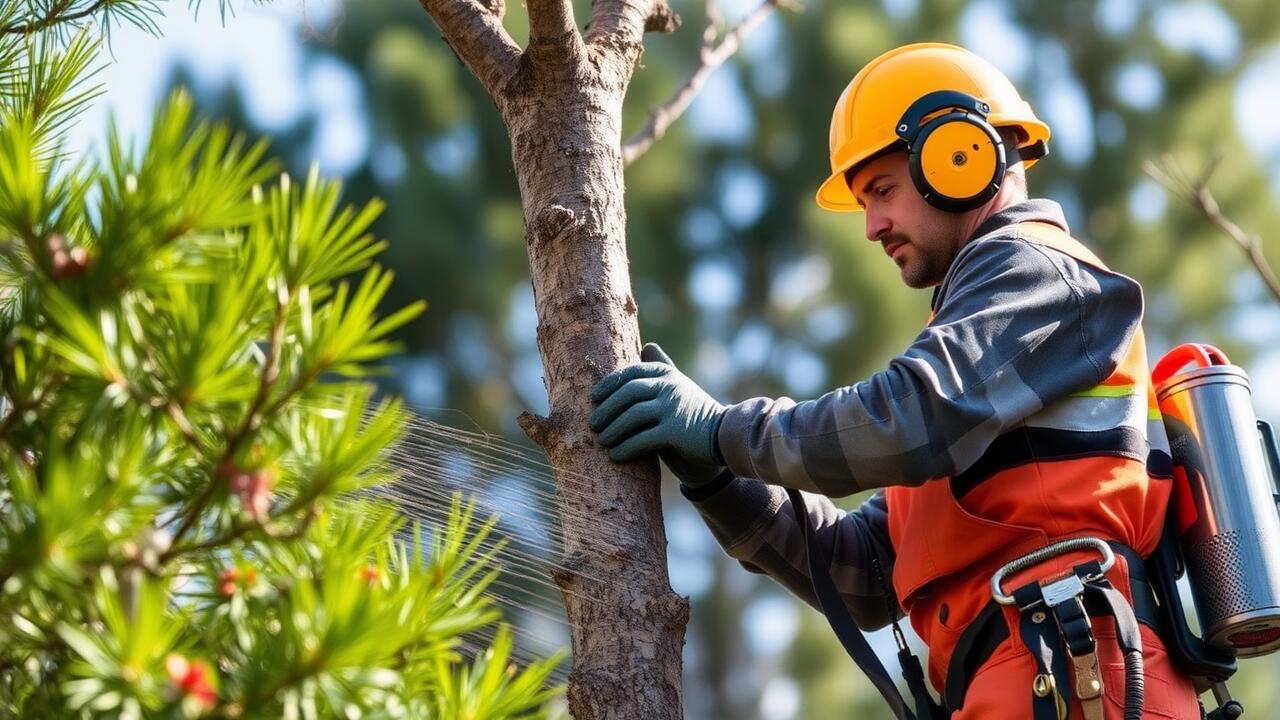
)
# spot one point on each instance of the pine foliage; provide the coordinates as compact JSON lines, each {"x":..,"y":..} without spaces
{"x":189,"y":440}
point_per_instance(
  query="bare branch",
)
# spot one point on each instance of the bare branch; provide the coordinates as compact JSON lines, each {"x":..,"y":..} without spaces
{"x":662,"y":20}
{"x":1196,"y":194}
{"x":715,"y":23}
{"x":710,"y":57}
{"x":551,"y":21}
{"x":623,"y":22}
{"x":539,"y":429}
{"x":475,"y":33}
{"x":55,"y":16}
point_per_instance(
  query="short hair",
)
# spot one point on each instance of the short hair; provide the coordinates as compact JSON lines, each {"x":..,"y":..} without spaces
{"x":1016,"y":172}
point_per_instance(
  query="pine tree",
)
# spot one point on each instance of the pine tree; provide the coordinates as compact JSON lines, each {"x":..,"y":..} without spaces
{"x":190,"y":449}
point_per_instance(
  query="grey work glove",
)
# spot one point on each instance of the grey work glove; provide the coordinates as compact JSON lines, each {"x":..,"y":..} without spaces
{"x":653,"y":407}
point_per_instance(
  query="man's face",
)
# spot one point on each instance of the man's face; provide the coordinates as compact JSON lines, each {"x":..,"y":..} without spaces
{"x":921,"y":239}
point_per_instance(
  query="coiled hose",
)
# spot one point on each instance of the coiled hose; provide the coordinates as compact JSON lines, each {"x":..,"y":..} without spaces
{"x":1134,"y":685}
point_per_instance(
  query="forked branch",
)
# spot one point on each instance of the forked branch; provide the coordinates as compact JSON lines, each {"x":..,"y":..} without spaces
{"x":1195,"y":192}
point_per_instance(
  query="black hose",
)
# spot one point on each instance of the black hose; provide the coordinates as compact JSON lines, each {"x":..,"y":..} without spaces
{"x":1134,"y":685}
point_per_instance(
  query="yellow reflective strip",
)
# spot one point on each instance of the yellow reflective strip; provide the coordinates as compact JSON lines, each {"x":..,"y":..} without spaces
{"x":1107,"y":391}
{"x":1154,"y":414}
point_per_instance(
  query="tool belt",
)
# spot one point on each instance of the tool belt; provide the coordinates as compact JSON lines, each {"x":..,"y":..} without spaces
{"x":1054,"y":625}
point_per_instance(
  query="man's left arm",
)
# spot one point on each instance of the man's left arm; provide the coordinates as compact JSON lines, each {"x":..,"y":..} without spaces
{"x":1018,"y":326}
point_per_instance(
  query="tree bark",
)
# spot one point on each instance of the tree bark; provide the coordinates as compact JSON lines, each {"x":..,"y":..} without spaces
{"x":561,"y":100}
{"x":627,"y":634}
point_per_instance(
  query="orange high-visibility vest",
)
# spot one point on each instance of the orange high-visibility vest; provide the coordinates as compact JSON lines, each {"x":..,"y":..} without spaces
{"x":1109,"y":481}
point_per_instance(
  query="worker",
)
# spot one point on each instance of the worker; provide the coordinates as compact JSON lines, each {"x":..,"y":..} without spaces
{"x":1020,"y":416}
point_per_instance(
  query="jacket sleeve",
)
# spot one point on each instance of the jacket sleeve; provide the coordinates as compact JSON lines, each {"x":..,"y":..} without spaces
{"x":1017,"y":325}
{"x":755,"y":525}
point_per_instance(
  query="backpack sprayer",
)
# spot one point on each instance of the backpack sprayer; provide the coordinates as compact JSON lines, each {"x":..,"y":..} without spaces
{"x":1223,"y":527}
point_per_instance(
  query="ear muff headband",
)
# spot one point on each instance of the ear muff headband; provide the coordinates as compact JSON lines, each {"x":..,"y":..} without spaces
{"x":957,"y":159}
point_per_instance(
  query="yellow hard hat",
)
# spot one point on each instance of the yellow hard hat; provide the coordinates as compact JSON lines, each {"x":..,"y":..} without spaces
{"x":867,"y":116}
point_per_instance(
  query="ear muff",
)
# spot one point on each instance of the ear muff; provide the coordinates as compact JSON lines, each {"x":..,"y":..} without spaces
{"x":956,"y":158}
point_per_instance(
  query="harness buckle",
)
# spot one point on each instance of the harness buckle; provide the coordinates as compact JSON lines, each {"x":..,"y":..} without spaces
{"x":1050,"y":551}
{"x":1062,"y":590}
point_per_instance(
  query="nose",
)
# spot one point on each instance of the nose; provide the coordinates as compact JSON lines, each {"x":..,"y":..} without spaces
{"x":877,"y":225}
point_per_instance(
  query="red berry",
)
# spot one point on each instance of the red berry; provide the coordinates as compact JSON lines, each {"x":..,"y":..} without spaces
{"x":229,"y":578}
{"x":67,"y":262}
{"x":252,"y":487}
{"x":191,"y":678}
{"x":235,"y":578}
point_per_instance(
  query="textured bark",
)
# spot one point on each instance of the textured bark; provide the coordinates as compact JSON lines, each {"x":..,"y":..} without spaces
{"x":477,"y":37}
{"x":561,"y":100}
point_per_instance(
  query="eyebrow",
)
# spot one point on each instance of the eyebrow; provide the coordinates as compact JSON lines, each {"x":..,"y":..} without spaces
{"x":877,"y":178}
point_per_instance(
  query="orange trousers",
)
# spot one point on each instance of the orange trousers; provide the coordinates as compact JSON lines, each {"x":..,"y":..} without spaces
{"x":1002,"y":687}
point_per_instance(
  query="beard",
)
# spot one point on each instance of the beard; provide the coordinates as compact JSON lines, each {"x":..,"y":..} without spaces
{"x":922,"y":264}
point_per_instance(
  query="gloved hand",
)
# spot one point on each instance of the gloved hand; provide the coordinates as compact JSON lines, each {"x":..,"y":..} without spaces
{"x":653,"y":407}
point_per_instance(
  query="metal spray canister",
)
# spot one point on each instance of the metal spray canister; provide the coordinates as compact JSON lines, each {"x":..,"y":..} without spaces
{"x":1225,"y":499}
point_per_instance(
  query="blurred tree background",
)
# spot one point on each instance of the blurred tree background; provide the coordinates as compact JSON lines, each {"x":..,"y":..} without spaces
{"x":751,"y":287}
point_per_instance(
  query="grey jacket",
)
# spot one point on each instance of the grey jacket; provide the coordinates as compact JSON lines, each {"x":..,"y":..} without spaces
{"x":1016,"y":326}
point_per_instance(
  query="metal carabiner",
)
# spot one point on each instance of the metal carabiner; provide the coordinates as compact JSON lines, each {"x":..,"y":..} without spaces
{"x":1049,"y":551}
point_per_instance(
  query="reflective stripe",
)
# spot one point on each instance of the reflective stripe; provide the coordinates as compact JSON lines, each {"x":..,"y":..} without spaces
{"x":1098,"y":422}
{"x":1092,"y":414}
{"x":1107,"y":391}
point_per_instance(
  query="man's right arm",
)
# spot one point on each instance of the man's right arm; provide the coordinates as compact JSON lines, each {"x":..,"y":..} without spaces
{"x":756,"y":526}
{"x":1018,"y":326}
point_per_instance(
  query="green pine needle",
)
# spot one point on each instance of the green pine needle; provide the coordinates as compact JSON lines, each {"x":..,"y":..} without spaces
{"x":189,"y":439}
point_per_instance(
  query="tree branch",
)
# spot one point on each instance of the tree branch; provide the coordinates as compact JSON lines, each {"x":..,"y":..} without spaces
{"x":240,"y":529}
{"x":623,"y":22}
{"x":550,"y":20}
{"x":475,"y":33}
{"x":270,"y":373}
{"x":538,"y":428}
{"x":53,"y":17}
{"x":1196,"y":194}
{"x":710,"y":57}
{"x":662,"y":20}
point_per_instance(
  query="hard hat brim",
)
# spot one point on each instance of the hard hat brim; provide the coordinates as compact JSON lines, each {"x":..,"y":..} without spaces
{"x":836,"y":195}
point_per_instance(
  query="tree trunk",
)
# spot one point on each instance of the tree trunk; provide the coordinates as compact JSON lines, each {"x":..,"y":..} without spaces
{"x":627,"y":624}
{"x":561,"y":99}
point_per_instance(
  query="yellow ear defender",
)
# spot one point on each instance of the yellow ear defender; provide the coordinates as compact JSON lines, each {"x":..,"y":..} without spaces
{"x":956,"y":158}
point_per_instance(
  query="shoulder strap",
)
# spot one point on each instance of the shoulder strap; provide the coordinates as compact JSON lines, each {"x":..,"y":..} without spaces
{"x":1054,"y":237}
